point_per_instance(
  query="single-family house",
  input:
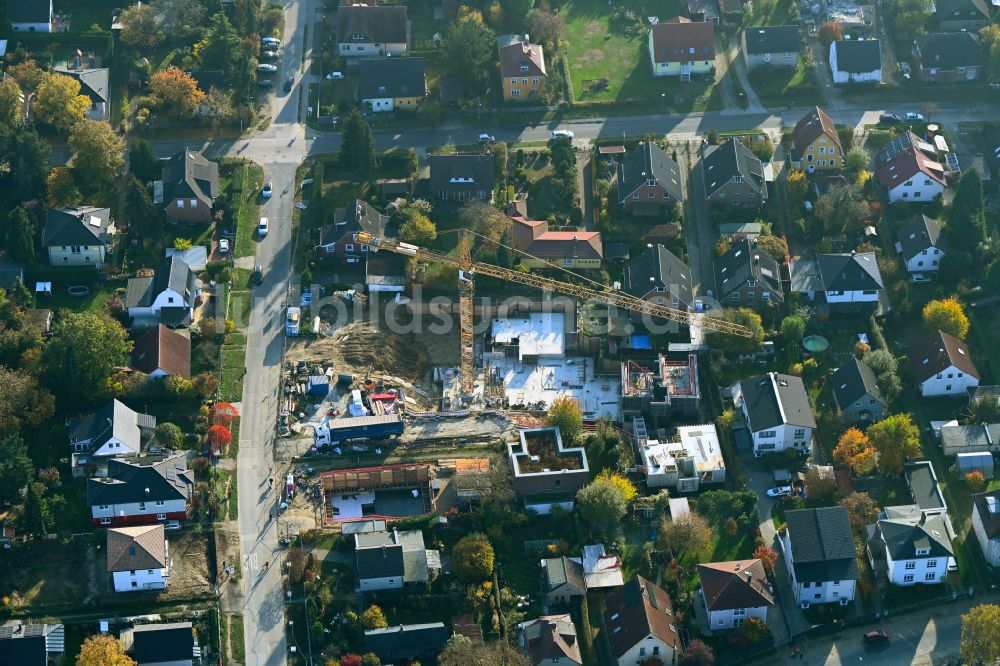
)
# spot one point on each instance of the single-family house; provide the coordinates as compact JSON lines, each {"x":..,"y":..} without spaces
{"x":684,"y":465}
{"x":141,"y":491}
{"x":138,"y":558}
{"x":30,"y":15}
{"x":659,"y":276}
{"x":816,"y":143}
{"x":910,"y":546}
{"x":733,"y":592}
{"x":849,"y":283}
{"x":543,"y":248}
{"x":640,"y":624}
{"x":986,"y":525}
{"x":94,"y":83}
{"x":392,"y":84}
{"x":161,"y":644}
{"x":921,"y":244}
{"x":188,"y":188}
{"x":747,"y":276}
{"x":522,"y":71}
{"x":775,"y":45}
{"x":338,"y":239}
{"x":909,"y":168}
{"x":562,"y":580}
{"x":856,"y":393}
{"x":550,"y":640}
{"x":391,"y":560}
{"x":948,"y":56}
{"x":403,"y":643}
{"x":958,"y":15}
{"x":386,"y":271}
{"x":461,"y":177}
{"x":734,"y":176}
{"x":923,"y":484}
{"x":777,"y":413}
{"x":942,"y":365}
{"x":112,"y":432}
{"x":29,"y":644}
{"x":818,"y":549}
{"x":957,"y":439}
{"x":370,"y":31}
{"x":545,"y":472}
{"x":648,"y":180}
{"x":78,"y":236}
{"x":168,"y":297}
{"x":163,"y":352}
{"x":856,"y":61}
{"x":680,"y":47}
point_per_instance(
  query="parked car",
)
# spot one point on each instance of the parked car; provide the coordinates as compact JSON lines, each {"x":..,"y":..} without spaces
{"x":265,"y":68}
{"x":913,"y":116}
{"x":289,"y":82}
{"x":889,"y":118}
{"x":487,"y":138}
{"x":271,"y":42}
{"x":269,"y":55}
{"x":265,"y":83}
{"x":333,"y":76}
{"x":562,"y":133}
{"x":262,"y":227}
{"x":224,"y":246}
{"x":257,"y":276}
{"x":172,"y":525}
{"x":266,"y":192}
{"x":876,"y":636}
{"x":920,"y":278}
{"x":780,"y":491}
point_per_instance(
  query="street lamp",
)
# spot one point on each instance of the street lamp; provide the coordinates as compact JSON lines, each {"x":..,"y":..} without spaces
{"x":663,"y":100}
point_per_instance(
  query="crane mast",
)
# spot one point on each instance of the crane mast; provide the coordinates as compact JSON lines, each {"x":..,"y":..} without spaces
{"x":467,"y":269}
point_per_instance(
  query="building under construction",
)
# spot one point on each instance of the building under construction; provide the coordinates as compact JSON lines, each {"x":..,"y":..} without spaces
{"x":662,"y":389}
{"x":387,"y":492}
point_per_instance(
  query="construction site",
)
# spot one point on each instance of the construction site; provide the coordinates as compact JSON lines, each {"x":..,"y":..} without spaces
{"x":387,"y":492}
{"x":662,"y":389}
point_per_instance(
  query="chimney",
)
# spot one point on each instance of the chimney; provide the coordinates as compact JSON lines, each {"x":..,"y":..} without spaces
{"x":384,"y":555}
{"x":737,"y":567}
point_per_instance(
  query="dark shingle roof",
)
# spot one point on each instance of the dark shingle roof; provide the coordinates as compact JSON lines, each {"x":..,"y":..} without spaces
{"x":858,"y":56}
{"x":947,"y":9}
{"x":849,"y":272}
{"x":812,"y":126}
{"x":773,"y":399}
{"x":165,"y":349}
{"x":852,"y":381}
{"x":406,"y":641}
{"x":151,"y":479}
{"x":381,"y":562}
{"x":563,"y":570}
{"x":745,"y":260}
{"x":391,"y":77}
{"x":935,"y":352}
{"x":113,"y":420}
{"x":461,"y":172}
{"x":729,"y":160}
{"x":380,"y":24}
{"x":93,"y":82}
{"x":639,"y":609}
{"x":737,"y":584}
{"x":918,"y":235}
{"x":29,"y":11}
{"x":190,"y":174}
{"x":922,"y":480}
{"x":991,"y":519}
{"x":645,"y":163}
{"x":949,"y":50}
{"x":902,"y":536}
{"x":772,"y":39}
{"x":78,"y":225}
{"x":822,"y":544}
{"x":155,"y":643}
{"x":173,"y":274}
{"x":658,"y":268}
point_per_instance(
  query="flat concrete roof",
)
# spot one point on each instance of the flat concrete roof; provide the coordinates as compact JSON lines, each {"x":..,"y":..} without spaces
{"x":550,"y":379}
{"x":538,"y":334}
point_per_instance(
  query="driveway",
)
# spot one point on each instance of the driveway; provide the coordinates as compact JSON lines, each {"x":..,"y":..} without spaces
{"x":697,"y":224}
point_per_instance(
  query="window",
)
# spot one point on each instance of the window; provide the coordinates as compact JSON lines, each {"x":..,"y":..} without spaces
{"x":911,"y":564}
{"x":358,"y":35}
{"x":948,"y":387}
{"x":818,"y":596}
{"x":635,"y":197}
{"x":364,"y":248}
{"x":180,"y":203}
{"x":105,"y":521}
{"x":739,"y":612}
{"x":766,"y":295}
{"x":652,"y":195}
{"x":831,"y":151}
{"x":736,"y":296}
{"x":348,"y":247}
{"x":750,"y":295}
{"x":822,"y":150}
{"x":767,"y":434}
{"x":931,"y":564}
{"x":161,"y":516}
{"x":908,"y":578}
{"x":524,"y":80}
{"x":170,"y":299}
{"x":135,"y":584}
{"x":930,"y":575}
{"x":159,"y":502}
{"x":515,"y":93}
{"x":642,"y":652}
{"x":534,"y":79}
{"x":800,"y":433}
{"x":193,"y":203}
{"x":656,"y":649}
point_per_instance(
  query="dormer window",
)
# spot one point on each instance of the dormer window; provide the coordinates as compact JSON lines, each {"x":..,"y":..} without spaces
{"x":923,"y":551}
{"x":524,"y":67}
{"x":737,"y":179}
{"x":651,"y":182}
{"x":358,"y":36}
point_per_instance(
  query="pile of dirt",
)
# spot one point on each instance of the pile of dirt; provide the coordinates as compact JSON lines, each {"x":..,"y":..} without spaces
{"x":359,"y":347}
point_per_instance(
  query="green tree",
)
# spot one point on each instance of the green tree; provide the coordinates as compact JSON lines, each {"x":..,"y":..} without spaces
{"x":842,"y":209}
{"x":21,"y":236}
{"x":246,"y":16}
{"x":10,"y":102}
{"x":412,"y":163}
{"x":896,"y":439}
{"x":602,"y":505}
{"x":546,"y":27}
{"x":982,"y":410}
{"x":62,"y":189}
{"x":473,"y":558}
{"x":687,"y":534}
{"x":95,"y":144}
{"x":16,"y":468}
{"x":856,"y":159}
{"x":735,"y":343}
{"x":221,"y":47}
{"x":140,"y":28}
{"x":169,"y":436}
{"x":83,"y":350}
{"x":980,"y":640}
{"x":793,"y":328}
{"x":965,"y":216}
{"x":139,"y":211}
{"x":37,"y":516}
{"x":374,"y":618}
{"x":23,"y":403}
{"x":861,"y":510}
{"x":357,"y":152}
{"x":25,"y":154}
{"x":58,"y":101}
{"x":946,"y":315}
{"x":460,"y":651}
{"x":417,"y":228}
{"x":468,"y":45}
{"x":565,"y":414}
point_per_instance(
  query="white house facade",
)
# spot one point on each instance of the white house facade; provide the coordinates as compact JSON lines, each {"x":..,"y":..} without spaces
{"x":138,"y":512}
{"x":76,"y":255}
{"x":732,"y":618}
{"x":818,"y":548}
{"x":950,"y":381}
{"x":986,"y":525}
{"x":777,"y":412}
{"x":918,"y":188}
{"x":916,"y":546}
{"x":143,"y":579}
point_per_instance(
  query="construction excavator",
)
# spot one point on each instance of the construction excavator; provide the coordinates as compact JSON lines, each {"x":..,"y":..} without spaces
{"x":468,"y":269}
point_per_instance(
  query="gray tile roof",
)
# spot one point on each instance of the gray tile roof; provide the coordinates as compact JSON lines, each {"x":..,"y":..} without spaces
{"x":729,"y":160}
{"x":902,"y":536}
{"x":162,"y":643}
{"x":563,"y":571}
{"x":379,"y":562}
{"x":396,"y":553}
{"x":983,"y":503}
{"x":76,"y":225}
{"x":190,"y":174}
{"x":171,"y":274}
{"x":774,"y":399}
{"x":391,"y":77}
{"x":981,"y":437}
{"x":383,"y":24}
{"x":772,"y":39}
{"x":947,"y":9}
{"x":920,"y":234}
{"x":461,"y":172}
{"x":647,"y":162}
{"x":658,"y":267}
{"x":93,"y":82}
{"x":150,"y":479}
{"x":950,"y":50}
{"x":141,"y":547}
{"x":29,"y":11}
{"x":745,"y":260}
{"x":852,"y":381}
{"x":822,"y":545}
{"x":116,"y":420}
{"x":31,"y":644}
{"x":858,"y":56}
{"x":849,"y":272}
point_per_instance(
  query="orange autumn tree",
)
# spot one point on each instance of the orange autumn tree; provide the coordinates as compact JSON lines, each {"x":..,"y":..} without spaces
{"x":856,"y":451}
{"x":176,"y":90}
{"x":219,"y":437}
{"x":223,"y":413}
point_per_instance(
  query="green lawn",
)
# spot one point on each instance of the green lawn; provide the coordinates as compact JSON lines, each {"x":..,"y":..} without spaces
{"x":781,"y":86}
{"x":240,"y":182}
{"x":234,"y":353}
{"x":772,"y":12}
{"x":606,"y":65}
{"x":236,"y":644}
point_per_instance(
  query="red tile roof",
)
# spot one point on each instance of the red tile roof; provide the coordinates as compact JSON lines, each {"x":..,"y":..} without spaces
{"x":737,"y":584}
{"x":513,"y":56}
{"x":165,"y":349}
{"x":637,"y":610}
{"x":674,"y":39}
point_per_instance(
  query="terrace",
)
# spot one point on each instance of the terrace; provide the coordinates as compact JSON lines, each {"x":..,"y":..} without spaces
{"x":542,"y":451}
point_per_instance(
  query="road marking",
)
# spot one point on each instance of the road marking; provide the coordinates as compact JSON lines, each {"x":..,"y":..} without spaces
{"x":251,"y":562}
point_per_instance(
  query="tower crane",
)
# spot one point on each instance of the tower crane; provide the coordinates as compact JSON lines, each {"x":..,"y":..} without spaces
{"x":467,"y":269}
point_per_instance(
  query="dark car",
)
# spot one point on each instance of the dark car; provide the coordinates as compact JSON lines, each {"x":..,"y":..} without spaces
{"x":889,"y":118}
{"x":289,"y":82}
{"x":876,"y":636}
{"x":265,"y":83}
{"x":258,"y":275}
